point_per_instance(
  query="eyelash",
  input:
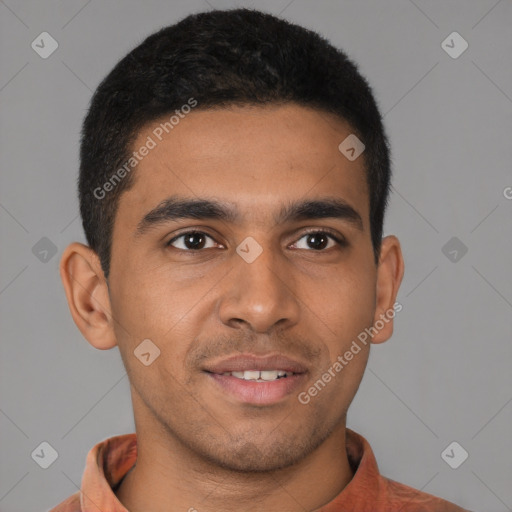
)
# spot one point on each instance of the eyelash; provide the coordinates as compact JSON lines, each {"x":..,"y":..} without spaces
{"x":339,"y":240}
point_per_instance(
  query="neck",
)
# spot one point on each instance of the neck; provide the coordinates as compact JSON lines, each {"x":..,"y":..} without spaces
{"x":169,"y":477}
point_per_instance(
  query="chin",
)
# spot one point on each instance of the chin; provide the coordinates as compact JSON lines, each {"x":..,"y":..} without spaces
{"x":264,"y":457}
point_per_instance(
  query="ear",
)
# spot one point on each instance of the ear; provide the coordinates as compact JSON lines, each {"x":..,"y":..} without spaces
{"x":389,"y":276}
{"x":87,"y":295}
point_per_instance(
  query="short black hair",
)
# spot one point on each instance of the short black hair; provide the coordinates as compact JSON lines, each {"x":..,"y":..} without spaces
{"x":220,"y":58}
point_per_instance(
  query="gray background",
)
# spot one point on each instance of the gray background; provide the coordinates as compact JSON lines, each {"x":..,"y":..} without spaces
{"x":445,"y":375}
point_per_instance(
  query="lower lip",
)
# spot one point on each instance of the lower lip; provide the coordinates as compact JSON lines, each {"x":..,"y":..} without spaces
{"x":259,"y":393}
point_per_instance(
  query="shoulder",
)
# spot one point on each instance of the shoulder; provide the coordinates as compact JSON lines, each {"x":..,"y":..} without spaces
{"x":71,"y":504}
{"x":413,"y":500}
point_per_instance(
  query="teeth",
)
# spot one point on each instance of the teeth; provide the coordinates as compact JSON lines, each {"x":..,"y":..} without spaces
{"x":259,"y":376}
{"x":268,"y":375}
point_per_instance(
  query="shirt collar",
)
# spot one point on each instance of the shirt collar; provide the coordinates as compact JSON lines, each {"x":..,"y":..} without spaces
{"x":110,"y":460}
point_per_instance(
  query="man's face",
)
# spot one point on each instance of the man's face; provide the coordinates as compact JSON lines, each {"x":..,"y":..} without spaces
{"x":200,"y":301}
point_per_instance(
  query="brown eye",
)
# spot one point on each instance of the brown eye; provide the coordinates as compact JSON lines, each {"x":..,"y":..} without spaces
{"x":319,"y":240}
{"x":191,"y":240}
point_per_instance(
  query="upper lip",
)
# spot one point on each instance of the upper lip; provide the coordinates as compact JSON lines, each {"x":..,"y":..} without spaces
{"x":245,"y":362}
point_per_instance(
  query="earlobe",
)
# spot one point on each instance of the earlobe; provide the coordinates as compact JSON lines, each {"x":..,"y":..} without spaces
{"x":389,"y":277}
{"x":87,"y":295}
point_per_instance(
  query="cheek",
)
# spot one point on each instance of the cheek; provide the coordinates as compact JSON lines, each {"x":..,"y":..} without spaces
{"x":150,"y":304}
{"x":342,"y":307}
{"x":345,"y":303}
{"x":159,"y":307}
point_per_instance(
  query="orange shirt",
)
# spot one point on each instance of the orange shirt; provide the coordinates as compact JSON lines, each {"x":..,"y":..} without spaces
{"x":110,"y":460}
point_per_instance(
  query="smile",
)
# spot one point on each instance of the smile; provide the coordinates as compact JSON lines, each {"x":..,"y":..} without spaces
{"x":260,"y":375}
{"x":258,"y":387}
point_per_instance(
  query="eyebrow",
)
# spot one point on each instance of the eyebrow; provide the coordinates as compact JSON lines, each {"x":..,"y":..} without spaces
{"x":177,"y":208}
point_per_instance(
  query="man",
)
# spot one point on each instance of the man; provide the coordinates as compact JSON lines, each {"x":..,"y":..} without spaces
{"x":233,"y":182}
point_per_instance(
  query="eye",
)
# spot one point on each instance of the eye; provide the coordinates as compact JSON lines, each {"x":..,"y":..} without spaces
{"x":197,"y":240}
{"x":192,"y":240}
{"x":319,"y":240}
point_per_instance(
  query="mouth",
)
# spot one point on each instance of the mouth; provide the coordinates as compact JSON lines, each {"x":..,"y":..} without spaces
{"x":260,"y":375}
{"x":257,"y":380}
{"x":257,"y":391}
{"x":243,"y":363}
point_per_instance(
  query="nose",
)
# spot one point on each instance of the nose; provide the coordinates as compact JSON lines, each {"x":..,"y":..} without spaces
{"x":260,"y":294}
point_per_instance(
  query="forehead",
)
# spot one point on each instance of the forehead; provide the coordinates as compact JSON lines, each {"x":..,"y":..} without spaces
{"x":255,"y":157}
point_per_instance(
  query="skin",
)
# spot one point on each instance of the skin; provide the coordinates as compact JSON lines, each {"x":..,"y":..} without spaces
{"x":198,"y":447}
